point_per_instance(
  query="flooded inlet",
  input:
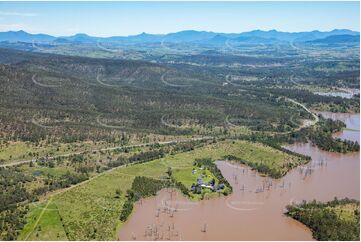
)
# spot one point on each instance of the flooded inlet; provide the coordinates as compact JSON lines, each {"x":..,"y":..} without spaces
{"x":254,"y":211}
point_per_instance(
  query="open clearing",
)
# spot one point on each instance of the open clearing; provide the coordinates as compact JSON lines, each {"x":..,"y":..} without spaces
{"x":43,"y":223}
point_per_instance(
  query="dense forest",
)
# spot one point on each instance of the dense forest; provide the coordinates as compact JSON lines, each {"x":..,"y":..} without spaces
{"x":13,"y":199}
{"x":69,"y":99}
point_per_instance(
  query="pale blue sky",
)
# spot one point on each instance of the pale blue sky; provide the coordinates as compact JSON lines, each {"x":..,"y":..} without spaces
{"x":128,"y":18}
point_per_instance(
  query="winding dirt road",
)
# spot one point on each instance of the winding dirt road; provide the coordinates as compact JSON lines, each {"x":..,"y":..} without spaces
{"x":307,"y":110}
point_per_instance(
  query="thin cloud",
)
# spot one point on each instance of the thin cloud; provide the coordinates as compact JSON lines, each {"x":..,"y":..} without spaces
{"x":19,"y":14}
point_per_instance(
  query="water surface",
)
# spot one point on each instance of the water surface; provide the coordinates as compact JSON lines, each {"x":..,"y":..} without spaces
{"x":254,"y":211}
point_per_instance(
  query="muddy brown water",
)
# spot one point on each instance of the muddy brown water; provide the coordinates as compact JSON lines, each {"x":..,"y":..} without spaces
{"x":254,"y":211}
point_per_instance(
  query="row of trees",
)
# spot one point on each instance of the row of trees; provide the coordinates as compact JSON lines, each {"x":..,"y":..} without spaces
{"x":260,"y":167}
{"x":54,"y":183}
{"x":137,"y":158}
{"x":156,"y":151}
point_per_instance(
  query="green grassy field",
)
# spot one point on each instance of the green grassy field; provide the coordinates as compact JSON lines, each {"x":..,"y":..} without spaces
{"x":188,"y":178}
{"x":91,"y":211}
{"x":44,"y":223}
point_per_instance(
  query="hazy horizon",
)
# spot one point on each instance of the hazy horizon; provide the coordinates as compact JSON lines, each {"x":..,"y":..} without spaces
{"x":105,"y":19}
{"x":80,"y":33}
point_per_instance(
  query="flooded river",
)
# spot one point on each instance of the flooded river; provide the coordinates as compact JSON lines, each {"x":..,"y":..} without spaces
{"x":254,"y":211}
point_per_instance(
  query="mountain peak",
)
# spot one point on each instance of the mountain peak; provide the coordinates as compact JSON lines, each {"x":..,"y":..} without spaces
{"x":81,"y":35}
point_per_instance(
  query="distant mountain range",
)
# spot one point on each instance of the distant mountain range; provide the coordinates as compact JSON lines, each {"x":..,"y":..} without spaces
{"x":256,"y":36}
{"x":342,"y":38}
